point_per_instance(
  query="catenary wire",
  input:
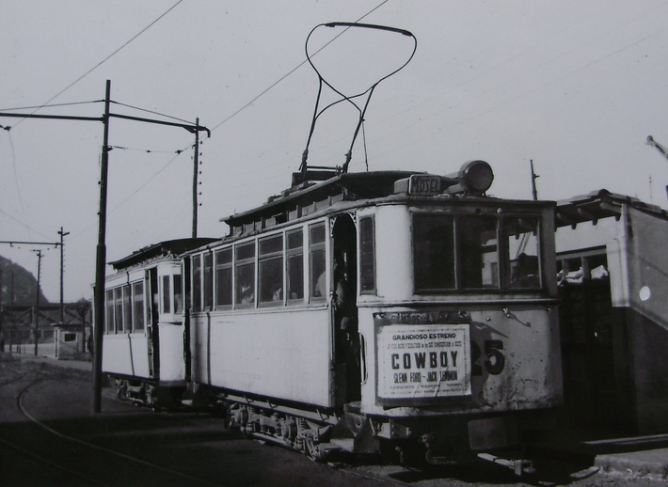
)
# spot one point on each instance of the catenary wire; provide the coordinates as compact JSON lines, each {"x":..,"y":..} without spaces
{"x":106,"y":58}
{"x":151,"y":111}
{"x":52,"y":105}
{"x":295,"y":68}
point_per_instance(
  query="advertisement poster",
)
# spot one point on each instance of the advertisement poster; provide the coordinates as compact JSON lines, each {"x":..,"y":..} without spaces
{"x":423,"y":361}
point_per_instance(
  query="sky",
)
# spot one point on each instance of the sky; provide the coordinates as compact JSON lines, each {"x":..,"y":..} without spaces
{"x":574,"y":86}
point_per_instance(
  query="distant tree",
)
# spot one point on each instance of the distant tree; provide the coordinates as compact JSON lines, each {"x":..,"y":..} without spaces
{"x":24,"y":283}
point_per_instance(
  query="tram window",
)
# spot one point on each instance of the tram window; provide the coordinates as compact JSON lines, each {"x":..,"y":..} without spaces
{"x":110,"y":311}
{"x":178,"y":294}
{"x":433,"y":252}
{"x":197,"y":283}
{"x":318,"y":260}
{"x":478,"y":250}
{"x":367,"y":255}
{"x":271,"y":269}
{"x":127,"y":309}
{"x":118,"y":309}
{"x":521,"y":235}
{"x":138,"y":305}
{"x":245,"y":273}
{"x":166,"y":308}
{"x":296,"y":265}
{"x":208,"y":281}
{"x":223,"y":278}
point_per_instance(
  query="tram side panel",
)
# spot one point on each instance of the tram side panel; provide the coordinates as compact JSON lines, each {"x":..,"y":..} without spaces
{"x":126,"y":354}
{"x":282,"y":353}
{"x":125,"y":343}
{"x":172,"y":367}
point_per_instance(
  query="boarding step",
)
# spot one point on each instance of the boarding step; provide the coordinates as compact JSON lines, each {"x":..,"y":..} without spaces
{"x":345,"y":444}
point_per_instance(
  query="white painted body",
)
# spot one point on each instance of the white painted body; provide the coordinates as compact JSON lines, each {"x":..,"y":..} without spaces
{"x":126,"y":354}
{"x":282,"y":353}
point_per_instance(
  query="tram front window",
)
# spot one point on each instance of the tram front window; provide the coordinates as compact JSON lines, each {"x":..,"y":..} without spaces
{"x":475,"y":252}
{"x":433,"y":247}
{"x":479,"y":252}
{"x":522,"y":237}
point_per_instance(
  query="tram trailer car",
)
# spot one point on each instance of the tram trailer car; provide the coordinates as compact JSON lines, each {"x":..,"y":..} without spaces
{"x":143,"y":342}
{"x":364,"y":311}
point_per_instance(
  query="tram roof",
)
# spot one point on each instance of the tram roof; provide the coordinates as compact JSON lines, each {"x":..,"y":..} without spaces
{"x":168,"y":247}
{"x":345,"y":186}
{"x":598,"y":205}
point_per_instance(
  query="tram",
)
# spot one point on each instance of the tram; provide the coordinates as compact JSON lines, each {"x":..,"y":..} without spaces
{"x":359,"y":311}
{"x":143,"y":323}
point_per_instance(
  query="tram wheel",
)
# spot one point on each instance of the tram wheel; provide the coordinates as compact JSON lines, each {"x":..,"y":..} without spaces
{"x":312,"y":450}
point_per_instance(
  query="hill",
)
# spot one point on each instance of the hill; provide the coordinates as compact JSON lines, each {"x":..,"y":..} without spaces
{"x":17,"y":285}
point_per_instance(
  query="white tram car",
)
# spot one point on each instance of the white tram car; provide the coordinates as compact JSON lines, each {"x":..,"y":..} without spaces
{"x":447,"y":342}
{"x":144,"y":323}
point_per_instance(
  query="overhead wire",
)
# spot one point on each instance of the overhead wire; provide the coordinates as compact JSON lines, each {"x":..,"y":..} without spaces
{"x":23,"y":224}
{"x":46,"y":104}
{"x":305,"y":61}
{"x":151,"y":111}
{"x":513,"y":80}
{"x":289,"y":73}
{"x":526,"y":93}
{"x":52,"y":105}
{"x":105,"y":59}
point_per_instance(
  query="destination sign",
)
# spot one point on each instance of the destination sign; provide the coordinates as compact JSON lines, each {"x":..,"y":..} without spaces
{"x":424,"y":185}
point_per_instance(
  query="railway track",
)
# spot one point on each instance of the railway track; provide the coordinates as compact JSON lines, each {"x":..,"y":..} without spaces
{"x":65,"y":451}
{"x":73,"y":449}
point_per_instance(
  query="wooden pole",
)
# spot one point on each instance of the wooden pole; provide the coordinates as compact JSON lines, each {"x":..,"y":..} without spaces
{"x":195,"y":172}
{"x":101,"y":262}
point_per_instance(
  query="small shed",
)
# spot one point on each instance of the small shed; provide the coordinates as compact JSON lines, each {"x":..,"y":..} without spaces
{"x":69,"y":340}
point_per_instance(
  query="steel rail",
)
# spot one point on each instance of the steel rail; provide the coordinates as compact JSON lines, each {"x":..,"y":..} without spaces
{"x":24,"y":411}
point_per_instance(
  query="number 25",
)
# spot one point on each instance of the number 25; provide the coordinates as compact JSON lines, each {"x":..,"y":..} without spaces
{"x":496,"y":360}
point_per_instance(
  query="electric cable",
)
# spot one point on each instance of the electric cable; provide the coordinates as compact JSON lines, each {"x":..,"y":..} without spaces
{"x":295,"y":68}
{"x":53,"y":105}
{"x":151,"y":111}
{"x":106,"y":58}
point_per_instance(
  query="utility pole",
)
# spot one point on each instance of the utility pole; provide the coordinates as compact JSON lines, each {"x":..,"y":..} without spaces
{"x":36,"y":309}
{"x":534,"y":176}
{"x":62,"y":267}
{"x":101,"y":261}
{"x":2,"y":317}
{"x":195,"y":172}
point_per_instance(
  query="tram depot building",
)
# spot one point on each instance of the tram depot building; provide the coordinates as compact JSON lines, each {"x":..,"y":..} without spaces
{"x":613,"y":278}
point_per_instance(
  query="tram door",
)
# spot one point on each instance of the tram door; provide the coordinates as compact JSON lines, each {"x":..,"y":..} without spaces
{"x":153,"y":302}
{"x":346,"y":342}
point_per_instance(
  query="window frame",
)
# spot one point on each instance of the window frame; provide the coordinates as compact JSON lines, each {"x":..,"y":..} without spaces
{"x":314,"y":248}
{"x":502,"y":252}
{"x":290,"y":253}
{"x":138,"y":299}
{"x":221,"y":265}
{"x":264,"y":258}
{"x":361,"y":252}
{"x":196,"y":288}
{"x":240,"y":263}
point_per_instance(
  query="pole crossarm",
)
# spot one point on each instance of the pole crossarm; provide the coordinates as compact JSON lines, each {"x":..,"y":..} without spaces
{"x":17,"y":242}
{"x":189,"y":127}
{"x":53,"y":117}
